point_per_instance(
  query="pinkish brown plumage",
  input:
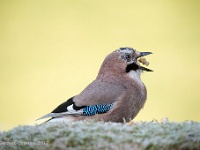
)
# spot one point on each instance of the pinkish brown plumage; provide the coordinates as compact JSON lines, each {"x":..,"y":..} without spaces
{"x":116,"y":94}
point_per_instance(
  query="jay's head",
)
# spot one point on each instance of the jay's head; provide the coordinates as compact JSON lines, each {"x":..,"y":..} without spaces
{"x":124,"y":60}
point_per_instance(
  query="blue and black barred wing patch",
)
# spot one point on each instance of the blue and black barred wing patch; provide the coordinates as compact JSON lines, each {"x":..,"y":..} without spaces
{"x":96,"y":109}
{"x":69,"y":108}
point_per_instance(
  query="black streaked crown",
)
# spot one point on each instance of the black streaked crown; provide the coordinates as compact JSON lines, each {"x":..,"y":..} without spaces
{"x":126,"y":48}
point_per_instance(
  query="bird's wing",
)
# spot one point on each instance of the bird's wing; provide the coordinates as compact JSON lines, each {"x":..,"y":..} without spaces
{"x":70,"y":108}
{"x":96,"y":98}
{"x":65,"y":108}
{"x":99,"y":92}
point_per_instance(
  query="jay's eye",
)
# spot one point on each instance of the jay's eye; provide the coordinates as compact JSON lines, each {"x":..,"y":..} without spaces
{"x":127,"y":57}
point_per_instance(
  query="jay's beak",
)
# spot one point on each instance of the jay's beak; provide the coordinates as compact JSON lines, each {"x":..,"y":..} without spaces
{"x":145,"y":54}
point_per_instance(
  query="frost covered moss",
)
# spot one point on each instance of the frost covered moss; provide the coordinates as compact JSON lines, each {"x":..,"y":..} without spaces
{"x":104,"y":136}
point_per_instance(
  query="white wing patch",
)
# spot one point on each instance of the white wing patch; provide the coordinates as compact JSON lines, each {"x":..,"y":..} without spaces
{"x":70,"y":108}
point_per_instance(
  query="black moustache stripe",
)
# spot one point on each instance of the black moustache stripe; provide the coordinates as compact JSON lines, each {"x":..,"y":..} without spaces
{"x":131,"y":67}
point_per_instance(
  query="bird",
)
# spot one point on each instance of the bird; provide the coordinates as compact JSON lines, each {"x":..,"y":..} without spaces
{"x":116,"y":95}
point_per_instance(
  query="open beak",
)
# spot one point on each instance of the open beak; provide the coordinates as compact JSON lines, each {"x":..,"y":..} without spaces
{"x":144,"y":54}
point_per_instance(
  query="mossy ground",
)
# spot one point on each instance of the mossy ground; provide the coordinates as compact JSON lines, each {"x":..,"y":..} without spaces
{"x":104,"y":136}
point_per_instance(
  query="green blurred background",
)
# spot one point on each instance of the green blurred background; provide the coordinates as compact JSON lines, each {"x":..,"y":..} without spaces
{"x":51,"y":50}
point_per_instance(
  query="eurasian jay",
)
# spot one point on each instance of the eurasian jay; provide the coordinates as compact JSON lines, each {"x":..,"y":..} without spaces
{"x":117,"y":93}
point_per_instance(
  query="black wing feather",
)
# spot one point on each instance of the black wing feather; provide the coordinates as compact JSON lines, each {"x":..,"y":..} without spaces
{"x":63,"y":107}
